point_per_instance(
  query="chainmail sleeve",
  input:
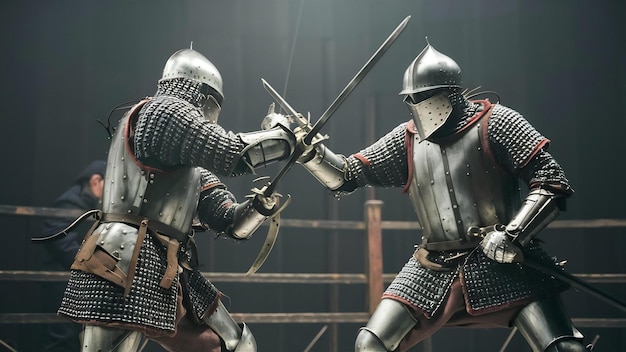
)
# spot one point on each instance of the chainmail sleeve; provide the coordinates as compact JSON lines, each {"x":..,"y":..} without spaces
{"x":513,"y":140}
{"x":382,"y":164}
{"x":171,"y":131}
{"x":216,"y":206}
{"x":518,"y":147}
{"x":543,"y":171}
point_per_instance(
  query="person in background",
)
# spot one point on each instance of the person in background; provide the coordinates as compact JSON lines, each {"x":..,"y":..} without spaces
{"x":85,"y":193}
{"x":462,"y":163}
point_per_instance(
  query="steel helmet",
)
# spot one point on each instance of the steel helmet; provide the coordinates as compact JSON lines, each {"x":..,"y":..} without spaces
{"x":428,"y":82}
{"x":431,"y":70}
{"x":188,"y":63}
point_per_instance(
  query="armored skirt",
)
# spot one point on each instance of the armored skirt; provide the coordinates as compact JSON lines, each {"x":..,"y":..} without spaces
{"x":148,"y":307}
{"x":487,"y":286}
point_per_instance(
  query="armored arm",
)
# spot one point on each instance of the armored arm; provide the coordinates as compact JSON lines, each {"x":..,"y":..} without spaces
{"x":540,"y":207}
{"x":264,"y":147}
{"x":549,"y":190}
{"x":250,"y":215}
{"x":522,"y":150}
{"x":169,"y":133}
{"x":219,"y":210}
{"x":327,"y":167}
{"x":382,"y":164}
{"x":502,"y":243}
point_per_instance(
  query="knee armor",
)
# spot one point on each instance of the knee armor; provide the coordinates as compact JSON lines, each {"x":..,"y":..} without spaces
{"x":546,"y":327}
{"x":386,"y":328}
{"x":237,"y":338}
{"x":367,"y":341}
{"x":99,"y":338}
{"x":567,"y":345}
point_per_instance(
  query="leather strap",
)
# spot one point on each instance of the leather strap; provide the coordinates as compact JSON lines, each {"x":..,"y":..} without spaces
{"x":141,"y":235}
{"x":154,"y":225}
{"x":172,"y":260}
{"x":98,"y":262}
{"x":90,"y":259}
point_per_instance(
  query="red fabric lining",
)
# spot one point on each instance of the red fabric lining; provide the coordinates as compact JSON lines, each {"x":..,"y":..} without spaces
{"x":212,"y":185}
{"x":539,"y":146}
{"x":128,"y":134}
{"x":408,"y":144}
{"x":363,"y":159}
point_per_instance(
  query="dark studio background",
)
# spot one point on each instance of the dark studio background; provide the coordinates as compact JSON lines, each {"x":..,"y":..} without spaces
{"x":562,"y":64}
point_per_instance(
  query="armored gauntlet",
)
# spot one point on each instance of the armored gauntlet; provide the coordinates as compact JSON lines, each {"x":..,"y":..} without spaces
{"x":503,"y":243}
{"x":498,"y":245}
{"x":250,"y":215}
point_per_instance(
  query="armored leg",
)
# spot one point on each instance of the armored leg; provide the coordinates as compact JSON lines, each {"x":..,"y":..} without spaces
{"x":99,"y":338}
{"x":566,"y":345}
{"x":237,"y":338}
{"x":386,"y":327}
{"x":547,"y":327}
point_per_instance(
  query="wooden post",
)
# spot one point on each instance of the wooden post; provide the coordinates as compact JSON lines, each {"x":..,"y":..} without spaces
{"x":374,"y":260}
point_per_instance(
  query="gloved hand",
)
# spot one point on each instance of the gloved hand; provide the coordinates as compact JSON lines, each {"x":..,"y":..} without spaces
{"x":309,"y":149}
{"x":273,"y":119}
{"x":265,"y":205}
{"x":497,"y":244}
{"x":250,"y":214}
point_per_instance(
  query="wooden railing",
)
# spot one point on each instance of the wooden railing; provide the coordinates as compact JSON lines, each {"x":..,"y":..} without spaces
{"x":373,"y":277}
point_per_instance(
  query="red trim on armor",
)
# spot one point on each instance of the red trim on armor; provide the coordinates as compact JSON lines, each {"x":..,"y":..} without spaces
{"x":484,"y":140}
{"x":496,"y":308}
{"x":486,"y":108}
{"x":408,"y":145}
{"x":211,"y":185}
{"x":149,"y":331}
{"x":128,"y":133}
{"x":539,"y":146}
{"x":407,"y":303}
{"x":362,"y":158}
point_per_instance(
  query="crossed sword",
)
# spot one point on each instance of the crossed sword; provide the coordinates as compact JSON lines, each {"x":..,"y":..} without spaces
{"x":270,"y":186}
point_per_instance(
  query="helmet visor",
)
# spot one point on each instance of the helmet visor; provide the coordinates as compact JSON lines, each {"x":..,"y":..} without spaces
{"x":428,"y":114}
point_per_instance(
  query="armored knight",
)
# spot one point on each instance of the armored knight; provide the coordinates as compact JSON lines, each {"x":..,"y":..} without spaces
{"x":136,"y":271}
{"x":461,"y":161}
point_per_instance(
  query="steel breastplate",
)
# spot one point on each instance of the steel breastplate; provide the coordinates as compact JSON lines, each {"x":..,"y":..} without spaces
{"x":455,"y":185}
{"x":170,"y":197}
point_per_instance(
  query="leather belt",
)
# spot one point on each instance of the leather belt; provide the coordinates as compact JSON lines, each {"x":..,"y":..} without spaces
{"x":450,"y":245}
{"x":155,"y":225}
{"x":170,"y":237}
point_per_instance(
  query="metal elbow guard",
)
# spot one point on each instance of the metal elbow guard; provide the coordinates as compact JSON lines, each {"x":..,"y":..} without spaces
{"x":249,"y":216}
{"x":327,"y":167}
{"x":266,"y":146}
{"x":538,"y":209}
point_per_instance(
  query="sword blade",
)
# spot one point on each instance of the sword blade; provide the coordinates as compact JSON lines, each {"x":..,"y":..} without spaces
{"x":268,"y":244}
{"x":356,"y":80}
{"x":574,"y":282}
{"x":270,"y":239}
{"x":284,"y":104}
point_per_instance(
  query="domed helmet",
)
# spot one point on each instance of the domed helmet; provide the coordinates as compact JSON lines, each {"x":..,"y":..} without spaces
{"x":190,"y":64}
{"x":428,"y":82}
